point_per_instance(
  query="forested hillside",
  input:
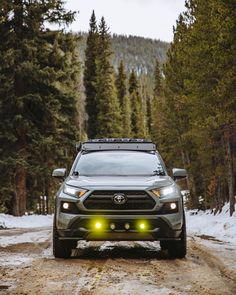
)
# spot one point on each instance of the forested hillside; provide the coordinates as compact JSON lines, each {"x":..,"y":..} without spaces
{"x":137,"y":53}
{"x":57,"y":89}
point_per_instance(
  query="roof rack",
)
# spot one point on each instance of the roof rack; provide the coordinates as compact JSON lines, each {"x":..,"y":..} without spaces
{"x":120,"y":140}
{"x":116,"y":144}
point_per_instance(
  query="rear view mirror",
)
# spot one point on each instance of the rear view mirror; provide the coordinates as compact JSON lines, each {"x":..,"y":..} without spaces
{"x":59,"y":173}
{"x":179,"y":173}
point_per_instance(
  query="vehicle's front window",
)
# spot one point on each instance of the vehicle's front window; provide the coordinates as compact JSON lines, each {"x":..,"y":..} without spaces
{"x":119,"y":163}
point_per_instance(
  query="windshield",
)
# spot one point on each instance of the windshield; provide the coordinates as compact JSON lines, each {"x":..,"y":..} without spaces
{"x":119,"y":163}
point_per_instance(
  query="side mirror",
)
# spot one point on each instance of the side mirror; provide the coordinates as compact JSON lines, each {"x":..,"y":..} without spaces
{"x":179,"y":173}
{"x":59,"y":173}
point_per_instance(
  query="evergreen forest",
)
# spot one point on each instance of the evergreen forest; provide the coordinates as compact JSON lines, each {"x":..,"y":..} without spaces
{"x":59,"y":87}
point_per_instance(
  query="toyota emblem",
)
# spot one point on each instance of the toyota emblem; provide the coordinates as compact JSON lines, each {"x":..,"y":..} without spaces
{"x":119,"y":199}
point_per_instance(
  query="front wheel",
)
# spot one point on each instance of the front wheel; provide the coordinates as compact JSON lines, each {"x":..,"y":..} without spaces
{"x":61,"y":249}
{"x":164,"y":245}
{"x":178,"y":249}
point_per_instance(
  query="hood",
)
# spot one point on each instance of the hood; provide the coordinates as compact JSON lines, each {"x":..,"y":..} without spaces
{"x":143,"y":182}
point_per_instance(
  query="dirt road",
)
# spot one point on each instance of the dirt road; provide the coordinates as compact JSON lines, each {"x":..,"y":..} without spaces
{"x":27,"y":267}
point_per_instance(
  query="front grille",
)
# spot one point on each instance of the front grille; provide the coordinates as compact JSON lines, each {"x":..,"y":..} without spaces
{"x":103,"y":200}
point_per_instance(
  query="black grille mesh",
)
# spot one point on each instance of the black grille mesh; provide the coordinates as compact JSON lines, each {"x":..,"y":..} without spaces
{"x":103,"y":200}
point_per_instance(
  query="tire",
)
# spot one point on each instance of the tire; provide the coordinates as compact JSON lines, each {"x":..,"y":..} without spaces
{"x":61,"y":249}
{"x":178,"y":249}
{"x":164,"y":245}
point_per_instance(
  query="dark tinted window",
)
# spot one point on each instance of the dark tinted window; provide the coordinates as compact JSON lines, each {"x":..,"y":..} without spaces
{"x":119,"y":163}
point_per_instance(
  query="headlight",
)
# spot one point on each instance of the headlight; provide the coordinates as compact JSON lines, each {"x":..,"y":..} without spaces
{"x":74,"y":191}
{"x":164,"y":191}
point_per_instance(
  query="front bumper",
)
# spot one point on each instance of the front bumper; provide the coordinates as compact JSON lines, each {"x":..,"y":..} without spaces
{"x":79,"y":227}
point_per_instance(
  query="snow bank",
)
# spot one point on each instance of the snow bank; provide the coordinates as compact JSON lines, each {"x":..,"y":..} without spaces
{"x":30,"y":221}
{"x":220,"y":226}
{"x":28,"y":237}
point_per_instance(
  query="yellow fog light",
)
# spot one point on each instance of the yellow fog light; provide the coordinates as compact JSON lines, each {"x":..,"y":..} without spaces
{"x":142,"y":225}
{"x":98,"y":225}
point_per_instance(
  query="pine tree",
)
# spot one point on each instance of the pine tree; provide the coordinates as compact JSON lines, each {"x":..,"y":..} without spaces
{"x":157,"y":80}
{"x":149,"y":114}
{"x":153,"y":105}
{"x":138,"y":126}
{"x":133,"y":83}
{"x":124,"y":101}
{"x":90,"y":77}
{"x":108,"y":120}
{"x":121,"y":83}
{"x":31,"y":98}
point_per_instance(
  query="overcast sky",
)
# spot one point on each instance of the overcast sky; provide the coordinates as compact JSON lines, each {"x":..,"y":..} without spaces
{"x":148,"y":18}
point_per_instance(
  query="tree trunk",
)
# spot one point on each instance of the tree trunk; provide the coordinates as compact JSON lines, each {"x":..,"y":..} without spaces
{"x":190,"y":181}
{"x":19,"y":205}
{"x":217,"y":194}
{"x":230,"y":172}
{"x":46,"y":194}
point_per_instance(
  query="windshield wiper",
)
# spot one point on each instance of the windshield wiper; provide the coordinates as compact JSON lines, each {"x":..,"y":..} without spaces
{"x":75,"y":173}
{"x":159,"y":172}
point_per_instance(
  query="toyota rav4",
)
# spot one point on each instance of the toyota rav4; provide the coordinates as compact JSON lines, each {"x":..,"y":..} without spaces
{"x":119,"y":190}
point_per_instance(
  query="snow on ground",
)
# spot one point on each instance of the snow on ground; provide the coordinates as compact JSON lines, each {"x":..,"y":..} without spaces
{"x":15,"y":259}
{"x":220,"y":226}
{"x":30,"y":221}
{"x":28,"y":237}
{"x":24,"y":222}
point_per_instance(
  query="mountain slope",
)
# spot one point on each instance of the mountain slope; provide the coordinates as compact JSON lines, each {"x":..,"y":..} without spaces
{"x":138,"y":53}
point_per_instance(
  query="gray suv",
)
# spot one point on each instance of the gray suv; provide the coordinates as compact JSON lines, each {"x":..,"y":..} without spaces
{"x":119,"y":190}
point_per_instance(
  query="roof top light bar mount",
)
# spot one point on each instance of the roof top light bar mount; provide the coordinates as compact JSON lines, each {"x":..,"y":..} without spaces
{"x":116,"y":144}
{"x":134,"y":140}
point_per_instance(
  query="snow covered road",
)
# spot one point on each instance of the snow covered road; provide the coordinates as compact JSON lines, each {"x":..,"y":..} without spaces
{"x":111,"y":268}
{"x":27,"y":267}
